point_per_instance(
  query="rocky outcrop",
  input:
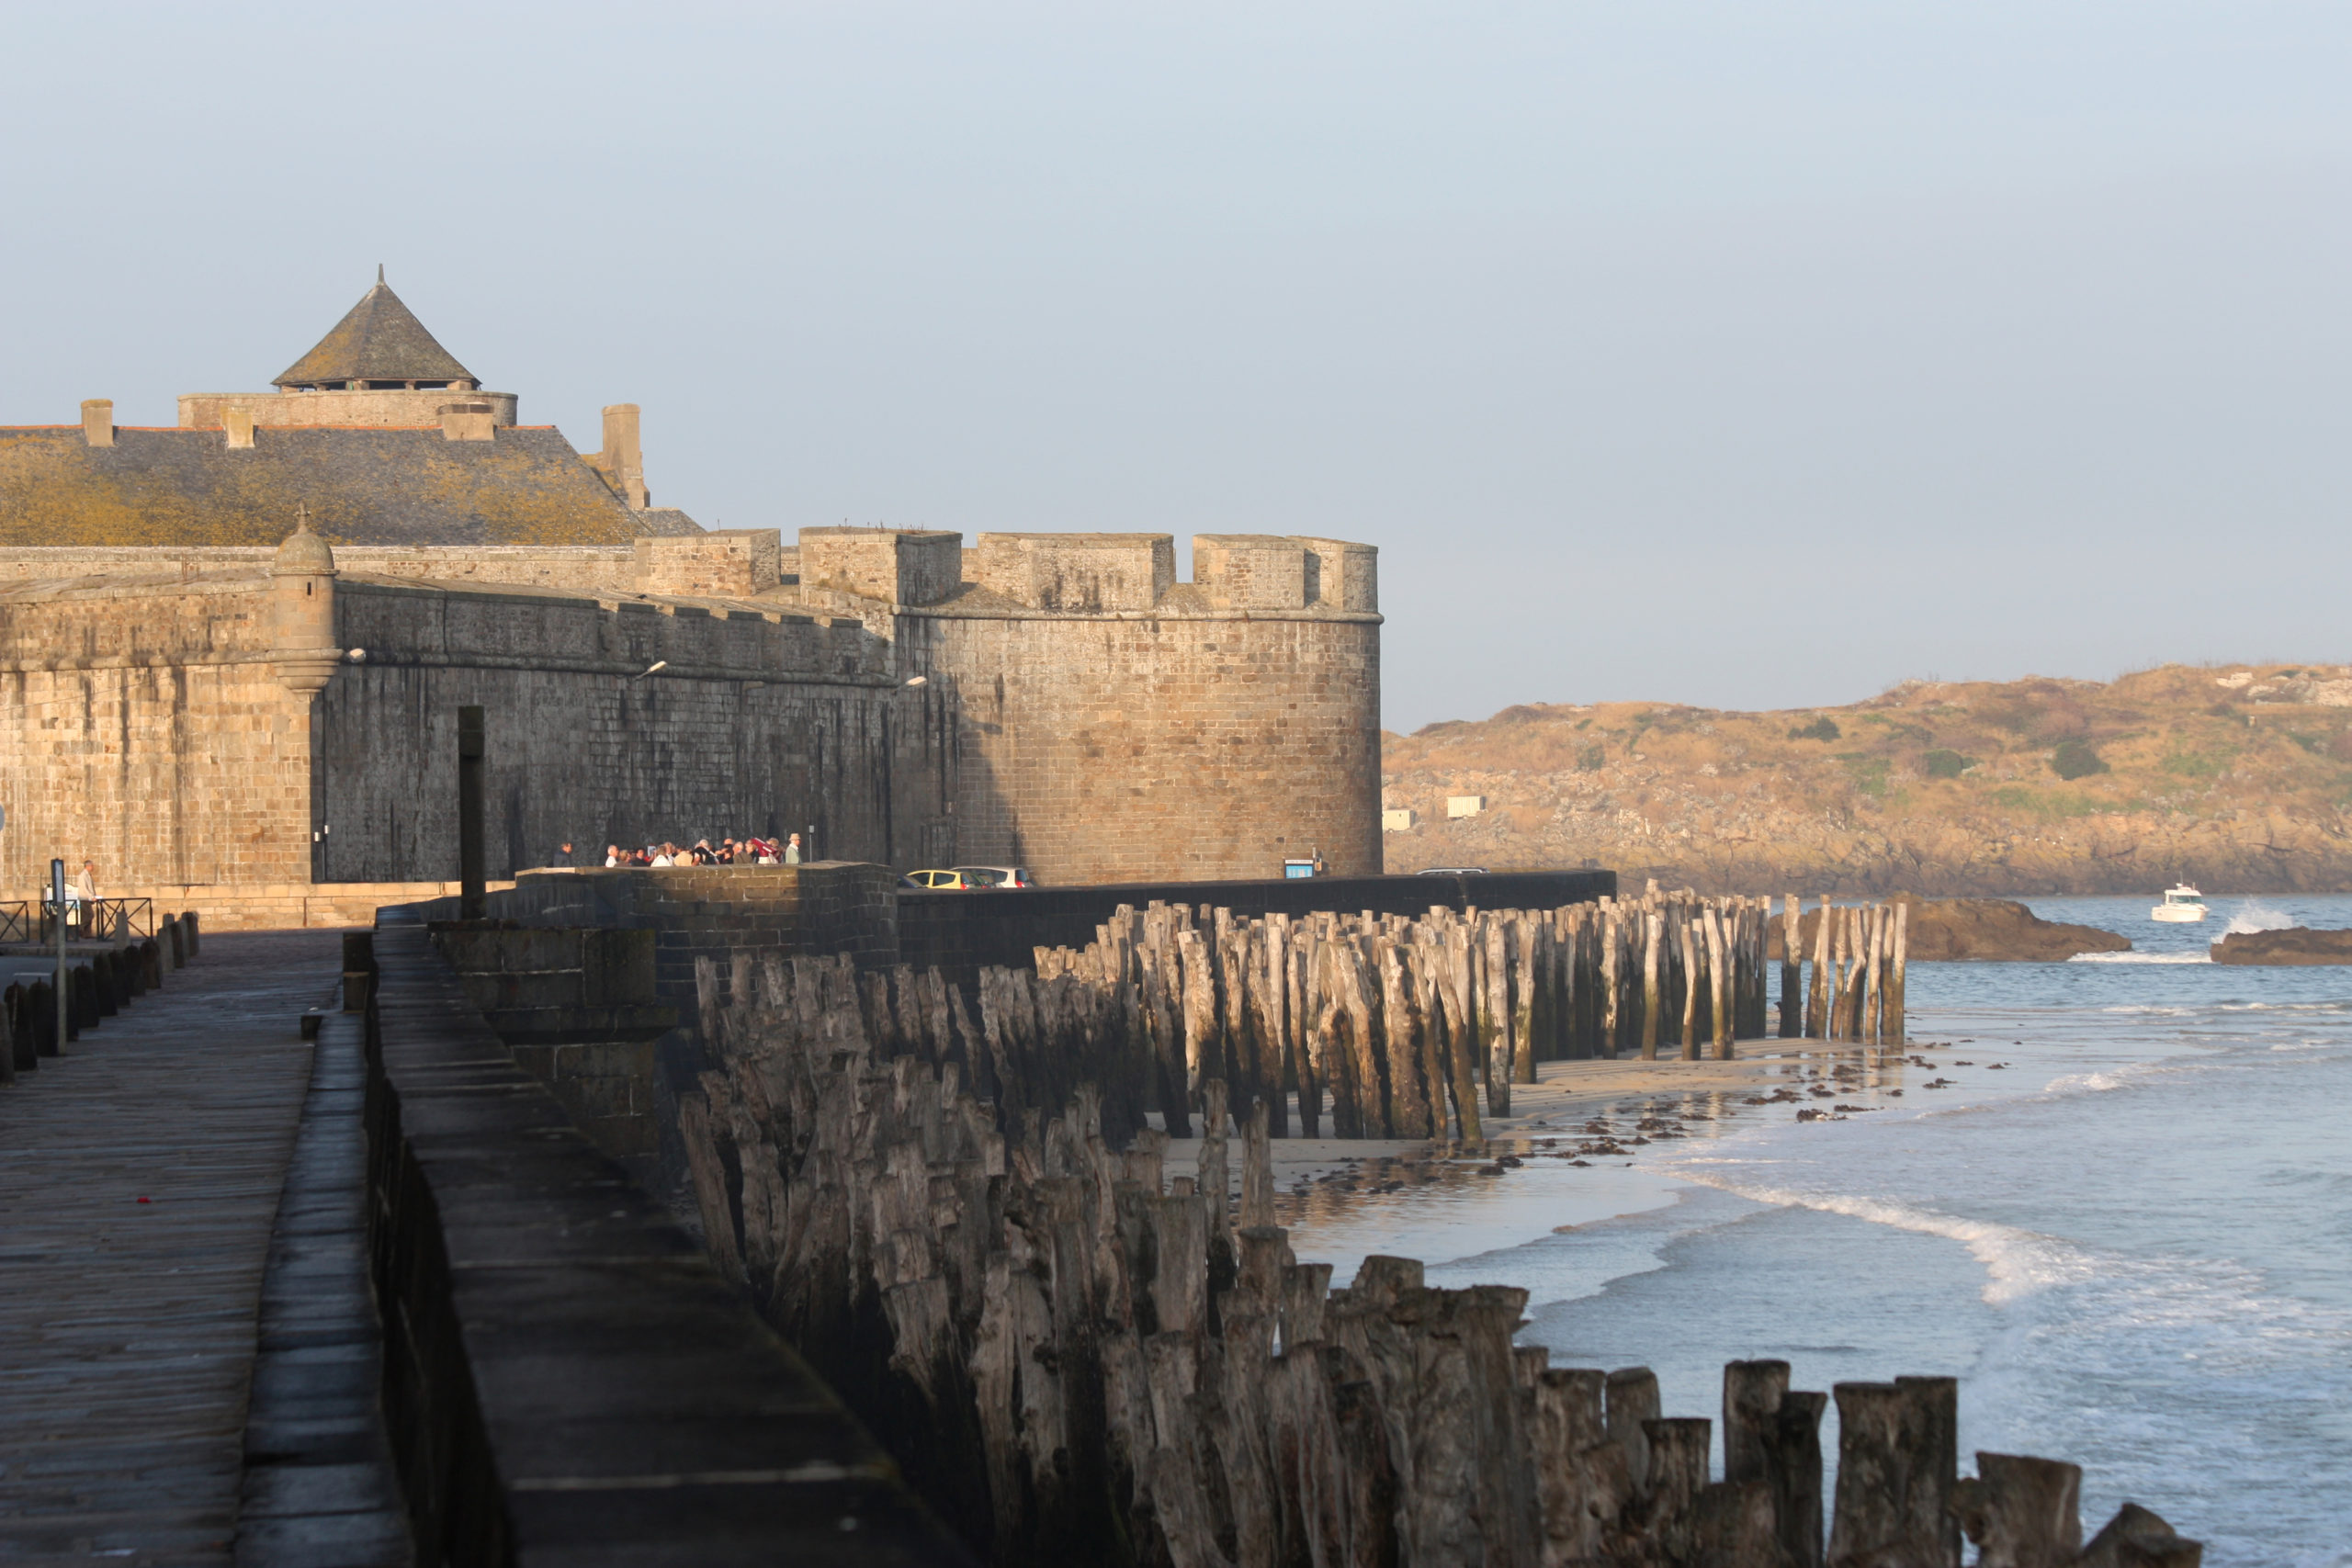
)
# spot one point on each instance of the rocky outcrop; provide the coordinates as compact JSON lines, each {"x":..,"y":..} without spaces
{"x":2297,"y":945}
{"x":1945,"y":930}
{"x":2239,"y":781}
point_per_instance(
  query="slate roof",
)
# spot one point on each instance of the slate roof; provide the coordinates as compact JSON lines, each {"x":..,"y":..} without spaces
{"x":379,"y":340}
{"x":527,"y":485}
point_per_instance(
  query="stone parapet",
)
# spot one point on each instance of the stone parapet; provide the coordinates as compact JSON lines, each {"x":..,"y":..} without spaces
{"x":385,"y":409}
{"x":714,"y":912}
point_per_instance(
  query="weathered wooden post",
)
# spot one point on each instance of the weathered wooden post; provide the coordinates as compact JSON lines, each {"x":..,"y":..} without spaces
{"x":1720,"y":977}
{"x":1817,"y":994}
{"x":1791,"y":967}
{"x":1652,"y":929}
{"x":1752,"y":1393}
{"x":1895,"y":1021}
{"x":1689,"y":988}
{"x":470,"y":746}
{"x":1897,"y":1458}
{"x":2021,"y":1512}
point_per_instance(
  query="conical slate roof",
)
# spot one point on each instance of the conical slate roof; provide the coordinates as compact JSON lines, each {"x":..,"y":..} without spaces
{"x":380,"y":340}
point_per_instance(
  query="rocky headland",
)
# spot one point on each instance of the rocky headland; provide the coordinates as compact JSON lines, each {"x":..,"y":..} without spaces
{"x":2297,"y":945}
{"x":2237,"y":778}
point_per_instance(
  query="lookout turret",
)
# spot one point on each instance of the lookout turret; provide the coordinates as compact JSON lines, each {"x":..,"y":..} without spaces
{"x":302,"y":584}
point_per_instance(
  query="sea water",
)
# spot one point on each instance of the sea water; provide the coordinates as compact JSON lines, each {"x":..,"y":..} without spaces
{"x":2131,"y":1242}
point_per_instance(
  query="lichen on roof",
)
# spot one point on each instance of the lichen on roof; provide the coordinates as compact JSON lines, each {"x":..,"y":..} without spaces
{"x":526,"y":486}
{"x":379,"y":340}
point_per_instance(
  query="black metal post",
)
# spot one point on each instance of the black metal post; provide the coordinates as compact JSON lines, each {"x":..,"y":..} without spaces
{"x":57,"y":893}
{"x":470,"y":846}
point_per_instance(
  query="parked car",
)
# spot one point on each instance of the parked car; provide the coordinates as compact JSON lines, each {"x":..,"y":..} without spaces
{"x":1451,"y":871}
{"x":968,"y":878}
{"x":995,"y":875}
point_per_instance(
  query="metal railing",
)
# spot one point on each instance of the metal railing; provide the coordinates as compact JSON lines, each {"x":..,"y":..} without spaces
{"x":92,"y":920}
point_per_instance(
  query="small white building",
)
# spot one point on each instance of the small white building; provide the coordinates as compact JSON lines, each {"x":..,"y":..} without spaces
{"x":1464,"y":805}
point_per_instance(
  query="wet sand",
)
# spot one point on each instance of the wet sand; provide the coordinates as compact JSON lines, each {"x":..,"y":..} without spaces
{"x":1569,"y":1154}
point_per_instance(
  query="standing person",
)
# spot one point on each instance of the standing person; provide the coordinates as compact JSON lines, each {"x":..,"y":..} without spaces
{"x":792,"y":850}
{"x":614,"y":855}
{"x":563,"y":854}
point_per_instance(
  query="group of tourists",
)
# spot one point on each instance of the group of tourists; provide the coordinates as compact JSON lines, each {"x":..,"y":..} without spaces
{"x":702,"y":851}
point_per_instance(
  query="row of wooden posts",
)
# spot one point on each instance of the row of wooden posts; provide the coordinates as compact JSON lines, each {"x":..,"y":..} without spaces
{"x":1364,"y":1026}
{"x":1077,"y":1358}
{"x":98,"y":986}
{"x":1383,"y":1026}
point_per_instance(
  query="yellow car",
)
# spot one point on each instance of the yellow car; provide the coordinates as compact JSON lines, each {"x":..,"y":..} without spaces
{"x":968,"y":878}
{"x":940,"y":881}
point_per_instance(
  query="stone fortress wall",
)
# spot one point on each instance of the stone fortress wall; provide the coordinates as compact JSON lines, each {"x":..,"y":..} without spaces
{"x":1061,"y":702}
{"x":1120,"y":726}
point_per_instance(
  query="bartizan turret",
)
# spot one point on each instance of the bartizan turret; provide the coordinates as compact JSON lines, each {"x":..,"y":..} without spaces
{"x":302,"y":593}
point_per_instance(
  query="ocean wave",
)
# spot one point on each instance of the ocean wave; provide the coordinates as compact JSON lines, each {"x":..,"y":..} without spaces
{"x":2018,"y":1263}
{"x":2142,"y":958}
{"x":2283,"y":1007}
{"x":2098,"y":1083}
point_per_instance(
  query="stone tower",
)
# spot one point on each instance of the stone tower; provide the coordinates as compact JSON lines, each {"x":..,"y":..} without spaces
{"x":302,"y":608}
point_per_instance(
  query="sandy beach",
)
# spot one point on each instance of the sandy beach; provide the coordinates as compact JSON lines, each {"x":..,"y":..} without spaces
{"x":1570,"y":1154}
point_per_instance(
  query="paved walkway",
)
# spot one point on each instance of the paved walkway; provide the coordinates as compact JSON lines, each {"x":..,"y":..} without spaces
{"x":126,"y":1327}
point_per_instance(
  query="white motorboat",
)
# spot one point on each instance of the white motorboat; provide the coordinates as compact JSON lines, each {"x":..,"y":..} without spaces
{"x":2181,"y":905}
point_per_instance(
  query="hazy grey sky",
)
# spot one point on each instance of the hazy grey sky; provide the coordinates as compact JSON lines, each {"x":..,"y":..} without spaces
{"x":1743,"y":354}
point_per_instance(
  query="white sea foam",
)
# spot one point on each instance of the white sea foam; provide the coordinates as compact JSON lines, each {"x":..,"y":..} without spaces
{"x":2097,"y":1083}
{"x":2142,"y":958}
{"x":2254,"y":914}
{"x":2018,"y":1263}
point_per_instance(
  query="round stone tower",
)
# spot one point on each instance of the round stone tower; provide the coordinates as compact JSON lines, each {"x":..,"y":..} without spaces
{"x":302,"y":604}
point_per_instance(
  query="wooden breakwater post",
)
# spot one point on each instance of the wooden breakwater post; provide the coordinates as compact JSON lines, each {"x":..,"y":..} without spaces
{"x":1076,"y":1358}
{"x":1858,"y":967}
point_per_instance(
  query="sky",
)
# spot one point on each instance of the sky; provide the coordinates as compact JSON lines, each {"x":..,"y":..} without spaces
{"x":1741,"y":356}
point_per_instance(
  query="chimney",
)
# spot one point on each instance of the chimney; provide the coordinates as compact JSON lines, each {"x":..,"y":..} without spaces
{"x":239,"y":422}
{"x":622,"y":461}
{"x":468,"y":421}
{"x":97,"y":421}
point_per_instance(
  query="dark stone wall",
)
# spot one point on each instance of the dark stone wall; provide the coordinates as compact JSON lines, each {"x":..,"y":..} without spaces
{"x":553,"y":1336}
{"x":762,"y":723}
{"x":714,"y":912}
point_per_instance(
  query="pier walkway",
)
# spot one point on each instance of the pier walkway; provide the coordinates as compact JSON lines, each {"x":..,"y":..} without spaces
{"x":140,"y":1178}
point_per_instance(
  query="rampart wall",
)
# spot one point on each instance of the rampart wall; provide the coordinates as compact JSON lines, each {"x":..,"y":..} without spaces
{"x":758,"y":723}
{"x":1059,"y":702}
{"x":146,"y":729}
{"x":1135,"y":746}
{"x":146,"y":726}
